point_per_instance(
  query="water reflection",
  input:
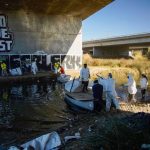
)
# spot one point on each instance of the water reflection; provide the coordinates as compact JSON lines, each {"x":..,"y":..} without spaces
{"x":18,"y":100}
{"x":6,"y":111}
{"x":34,"y":92}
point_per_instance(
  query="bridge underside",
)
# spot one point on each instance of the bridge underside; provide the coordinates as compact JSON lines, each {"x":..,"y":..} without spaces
{"x":48,"y":30}
{"x":76,"y":8}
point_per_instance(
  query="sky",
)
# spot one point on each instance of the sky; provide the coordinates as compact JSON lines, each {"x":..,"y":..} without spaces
{"x":119,"y":18}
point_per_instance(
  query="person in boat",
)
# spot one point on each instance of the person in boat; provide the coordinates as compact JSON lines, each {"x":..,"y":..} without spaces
{"x":143,"y":84}
{"x":111,"y":93}
{"x":131,"y":88}
{"x":97,"y":94}
{"x":84,"y":77}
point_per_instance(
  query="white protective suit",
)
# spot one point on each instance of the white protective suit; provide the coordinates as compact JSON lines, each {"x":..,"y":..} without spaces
{"x":34,"y":68}
{"x":103,"y":82}
{"x":131,"y":85}
{"x":111,"y":94}
{"x":84,"y":74}
{"x":143,"y":83}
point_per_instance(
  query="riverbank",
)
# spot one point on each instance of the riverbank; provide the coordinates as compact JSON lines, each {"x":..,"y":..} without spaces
{"x":127,"y":129}
{"x":25,"y":118}
{"x":124,"y":130}
{"x":38,"y":109}
{"x":27,"y":77}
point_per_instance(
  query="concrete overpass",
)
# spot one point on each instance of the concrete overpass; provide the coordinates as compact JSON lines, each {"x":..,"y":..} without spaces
{"x":117,"y":46}
{"x":52,"y":27}
{"x":76,"y":8}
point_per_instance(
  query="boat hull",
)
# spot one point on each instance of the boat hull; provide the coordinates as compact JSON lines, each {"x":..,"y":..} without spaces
{"x":79,"y":104}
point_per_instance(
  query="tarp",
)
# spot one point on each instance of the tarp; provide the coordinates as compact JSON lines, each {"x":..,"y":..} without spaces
{"x":50,"y":141}
{"x":63,"y":78}
{"x":45,"y":142}
{"x":15,"y":72}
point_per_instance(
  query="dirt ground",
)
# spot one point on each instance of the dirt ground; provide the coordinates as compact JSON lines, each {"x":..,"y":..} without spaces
{"x":127,"y":129}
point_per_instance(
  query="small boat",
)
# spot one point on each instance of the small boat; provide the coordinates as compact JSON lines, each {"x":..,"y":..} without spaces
{"x":63,"y":78}
{"x":80,"y":100}
{"x":50,"y":141}
{"x":77,"y":99}
{"x":74,"y":85}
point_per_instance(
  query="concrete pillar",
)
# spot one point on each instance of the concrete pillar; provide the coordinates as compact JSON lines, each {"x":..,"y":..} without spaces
{"x":111,"y":51}
{"x":49,"y":34}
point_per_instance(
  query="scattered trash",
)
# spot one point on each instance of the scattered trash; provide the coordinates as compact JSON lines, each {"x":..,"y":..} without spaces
{"x":91,"y":127}
{"x":45,"y":142}
{"x":76,"y":136}
{"x":70,"y":126}
{"x":80,"y":129}
{"x":96,"y":121}
{"x":63,"y":117}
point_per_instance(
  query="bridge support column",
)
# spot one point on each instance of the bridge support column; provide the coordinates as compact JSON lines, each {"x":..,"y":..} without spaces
{"x":111,"y":51}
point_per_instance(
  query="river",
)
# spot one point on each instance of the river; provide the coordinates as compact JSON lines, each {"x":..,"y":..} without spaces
{"x":31,"y":109}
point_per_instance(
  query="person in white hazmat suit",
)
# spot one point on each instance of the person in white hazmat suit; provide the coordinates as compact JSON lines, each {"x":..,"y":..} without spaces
{"x":111,"y":93}
{"x":84,"y":77}
{"x":34,"y":68}
{"x":143,"y":84}
{"x":131,"y":88}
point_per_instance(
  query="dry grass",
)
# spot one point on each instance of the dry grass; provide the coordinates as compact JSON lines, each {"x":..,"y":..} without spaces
{"x":118,"y":67}
{"x":120,"y":74}
{"x":111,"y":130}
{"x":121,"y":67}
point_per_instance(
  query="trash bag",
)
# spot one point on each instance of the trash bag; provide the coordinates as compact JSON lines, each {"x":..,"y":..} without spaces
{"x":45,"y":142}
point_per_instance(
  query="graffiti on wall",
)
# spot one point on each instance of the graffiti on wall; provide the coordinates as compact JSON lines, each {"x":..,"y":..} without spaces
{"x":67,"y":61}
{"x":6,"y":37}
{"x":71,"y":61}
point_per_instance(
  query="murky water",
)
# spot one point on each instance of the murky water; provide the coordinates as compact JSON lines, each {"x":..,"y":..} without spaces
{"x":29,"y":110}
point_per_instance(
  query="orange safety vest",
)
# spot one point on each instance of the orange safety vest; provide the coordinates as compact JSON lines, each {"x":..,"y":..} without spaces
{"x":62,"y":71}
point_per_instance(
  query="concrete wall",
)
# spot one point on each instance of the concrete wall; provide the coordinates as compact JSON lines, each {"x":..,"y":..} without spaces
{"x":52,"y":34}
